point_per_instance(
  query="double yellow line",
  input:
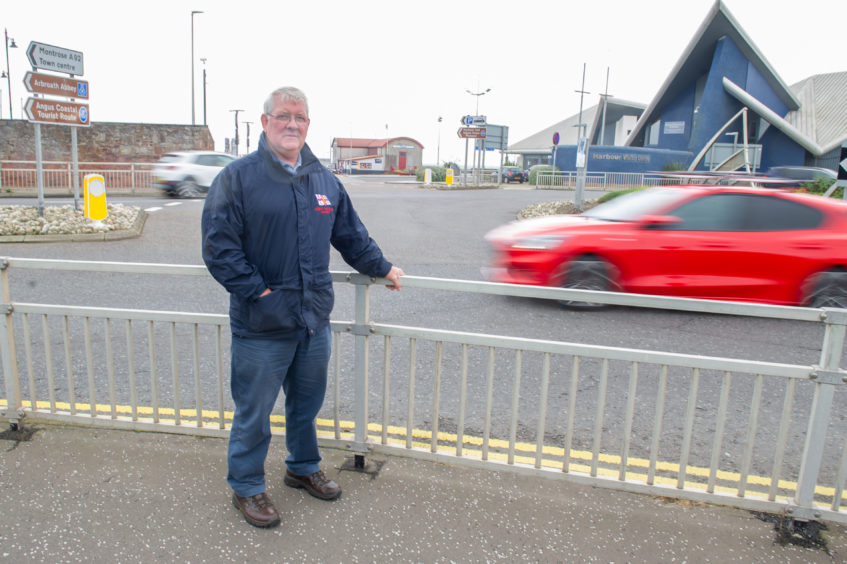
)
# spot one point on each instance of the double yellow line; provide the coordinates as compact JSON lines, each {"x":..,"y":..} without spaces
{"x":552,"y":456}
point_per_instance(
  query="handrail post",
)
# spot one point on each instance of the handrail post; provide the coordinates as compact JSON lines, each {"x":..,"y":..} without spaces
{"x":361,"y":332}
{"x":14,"y":413}
{"x":826,"y":377}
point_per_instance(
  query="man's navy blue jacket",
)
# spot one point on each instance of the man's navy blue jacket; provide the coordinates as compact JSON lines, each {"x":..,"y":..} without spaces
{"x":266,"y":228}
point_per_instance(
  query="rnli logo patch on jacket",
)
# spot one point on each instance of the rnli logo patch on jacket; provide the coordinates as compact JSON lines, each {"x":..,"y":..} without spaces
{"x":324,"y":205}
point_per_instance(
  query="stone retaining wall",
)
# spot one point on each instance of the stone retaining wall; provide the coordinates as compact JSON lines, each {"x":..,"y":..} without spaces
{"x":102,"y":141}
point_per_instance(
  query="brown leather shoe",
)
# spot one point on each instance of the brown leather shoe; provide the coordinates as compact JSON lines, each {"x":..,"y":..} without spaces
{"x":258,"y":510}
{"x":316,"y":484}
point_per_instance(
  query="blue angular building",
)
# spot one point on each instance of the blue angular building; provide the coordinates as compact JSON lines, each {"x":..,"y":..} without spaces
{"x":721,"y":92}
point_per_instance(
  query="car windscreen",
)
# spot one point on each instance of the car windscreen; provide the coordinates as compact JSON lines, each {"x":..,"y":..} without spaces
{"x":170,"y":158}
{"x":634,"y":205}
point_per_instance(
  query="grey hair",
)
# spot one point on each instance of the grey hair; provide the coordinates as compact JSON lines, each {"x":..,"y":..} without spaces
{"x":287,"y":94}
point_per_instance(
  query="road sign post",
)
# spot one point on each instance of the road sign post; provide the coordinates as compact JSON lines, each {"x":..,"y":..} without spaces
{"x":41,"y":110}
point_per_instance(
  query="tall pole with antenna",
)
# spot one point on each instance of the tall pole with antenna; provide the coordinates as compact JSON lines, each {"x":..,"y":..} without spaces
{"x":605,"y":102}
{"x":581,"y":151}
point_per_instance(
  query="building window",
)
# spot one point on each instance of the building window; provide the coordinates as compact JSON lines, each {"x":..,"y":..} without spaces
{"x":653,"y":133}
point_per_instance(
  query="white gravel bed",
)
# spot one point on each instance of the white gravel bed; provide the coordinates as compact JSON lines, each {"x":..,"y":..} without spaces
{"x":552,"y":208}
{"x":63,"y":220}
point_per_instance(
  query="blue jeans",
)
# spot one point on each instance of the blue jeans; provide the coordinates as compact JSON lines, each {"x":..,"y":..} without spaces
{"x":259,"y":367}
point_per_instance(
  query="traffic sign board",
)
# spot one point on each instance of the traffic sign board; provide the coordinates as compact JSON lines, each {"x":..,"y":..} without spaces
{"x":556,"y":138}
{"x":471,"y":132}
{"x":40,"y":110}
{"x":58,"y":59}
{"x":473,"y":120}
{"x":41,"y":83}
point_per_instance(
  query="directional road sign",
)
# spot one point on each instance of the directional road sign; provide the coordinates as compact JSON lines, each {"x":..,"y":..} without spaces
{"x":52,"y":85}
{"x":473,"y":120}
{"x":40,"y":110}
{"x":58,"y":59}
{"x":471,"y":132}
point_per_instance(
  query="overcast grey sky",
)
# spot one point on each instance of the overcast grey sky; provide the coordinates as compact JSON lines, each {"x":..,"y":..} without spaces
{"x":391,"y":68}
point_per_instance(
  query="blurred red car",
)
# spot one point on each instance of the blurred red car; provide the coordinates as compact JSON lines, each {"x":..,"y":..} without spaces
{"x":713,"y":242}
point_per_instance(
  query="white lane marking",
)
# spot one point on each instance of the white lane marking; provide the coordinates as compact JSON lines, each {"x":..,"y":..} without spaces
{"x":155,"y":208}
{"x":174,"y":204}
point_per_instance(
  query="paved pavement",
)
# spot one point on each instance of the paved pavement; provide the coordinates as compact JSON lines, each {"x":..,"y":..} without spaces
{"x":76,"y":494}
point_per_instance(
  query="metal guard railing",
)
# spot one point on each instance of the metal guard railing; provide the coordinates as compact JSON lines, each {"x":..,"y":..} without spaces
{"x":466,"y":398}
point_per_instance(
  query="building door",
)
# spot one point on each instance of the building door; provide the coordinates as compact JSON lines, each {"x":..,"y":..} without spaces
{"x":402,"y":160}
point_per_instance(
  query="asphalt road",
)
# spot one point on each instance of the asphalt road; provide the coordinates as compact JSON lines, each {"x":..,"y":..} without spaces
{"x":438,"y":233}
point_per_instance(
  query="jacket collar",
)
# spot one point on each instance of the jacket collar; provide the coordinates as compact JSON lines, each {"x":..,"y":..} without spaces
{"x":274,"y":166}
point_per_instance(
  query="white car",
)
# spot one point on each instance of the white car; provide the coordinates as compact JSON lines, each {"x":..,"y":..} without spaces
{"x":188,"y":174}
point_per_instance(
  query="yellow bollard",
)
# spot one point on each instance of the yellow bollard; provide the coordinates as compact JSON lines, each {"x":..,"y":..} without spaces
{"x":449,"y":178}
{"x":95,"y":197}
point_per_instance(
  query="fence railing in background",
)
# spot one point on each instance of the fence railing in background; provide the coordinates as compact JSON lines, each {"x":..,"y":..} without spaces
{"x":600,"y":180}
{"x":759,"y":435}
{"x":20,"y":176}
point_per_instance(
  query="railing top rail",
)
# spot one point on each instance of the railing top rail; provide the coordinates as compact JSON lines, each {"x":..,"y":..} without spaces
{"x":103,"y":266}
{"x":81,"y":163}
{"x":541,"y":292}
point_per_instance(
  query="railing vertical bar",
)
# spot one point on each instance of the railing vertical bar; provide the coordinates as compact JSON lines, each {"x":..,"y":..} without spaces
{"x":68,"y":364}
{"x":598,"y":416}
{"x":489,"y":399}
{"x":219,"y":366}
{"x":720,"y":423}
{"x":571,"y":413}
{"x":542,"y":410}
{"x":361,"y":367}
{"x":782,"y":438}
{"x":48,"y":363}
{"x":386,"y":379}
{"x":516,"y":395}
{"x":691,"y":409}
{"x":410,"y":414}
{"x":175,"y":375}
{"x":752,"y":427}
{"x":336,"y":408}
{"x":839,"y":484}
{"x":819,"y":416}
{"x":30,"y":372}
{"x":154,"y":379}
{"x":110,"y":368}
{"x":198,"y":396}
{"x":89,"y":358}
{"x":630,"y":414}
{"x":657,"y":423}
{"x":436,"y":395}
{"x":130,"y":358}
{"x":463,"y":398}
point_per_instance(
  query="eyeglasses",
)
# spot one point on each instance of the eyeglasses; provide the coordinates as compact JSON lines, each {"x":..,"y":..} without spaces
{"x":299,"y":119}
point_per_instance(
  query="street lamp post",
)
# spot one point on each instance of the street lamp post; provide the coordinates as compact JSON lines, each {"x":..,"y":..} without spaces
{"x":248,"y":124}
{"x":204,"y":91}
{"x":438,"y":152}
{"x":235,"y":141}
{"x":192,"y":64}
{"x":8,"y":72}
{"x":475,"y":157}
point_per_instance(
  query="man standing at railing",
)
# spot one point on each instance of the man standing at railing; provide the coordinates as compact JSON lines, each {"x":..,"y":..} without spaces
{"x":268,"y":223}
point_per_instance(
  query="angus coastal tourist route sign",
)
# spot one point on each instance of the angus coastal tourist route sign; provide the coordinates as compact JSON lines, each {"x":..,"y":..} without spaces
{"x":41,"y":110}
